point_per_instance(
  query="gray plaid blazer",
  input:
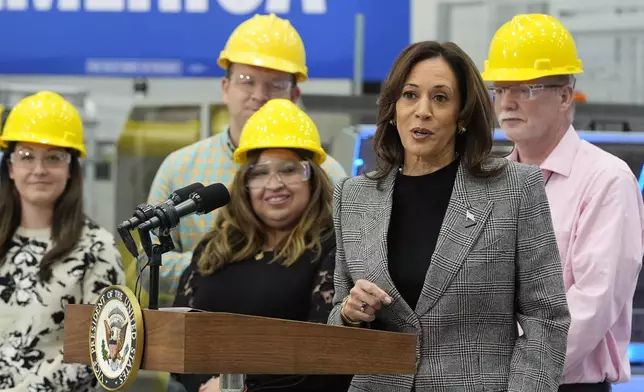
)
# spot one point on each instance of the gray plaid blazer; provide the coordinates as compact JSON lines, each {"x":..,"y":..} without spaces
{"x":496,"y":262}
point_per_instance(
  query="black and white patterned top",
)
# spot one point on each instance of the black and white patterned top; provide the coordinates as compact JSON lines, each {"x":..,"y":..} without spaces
{"x":32,"y":311}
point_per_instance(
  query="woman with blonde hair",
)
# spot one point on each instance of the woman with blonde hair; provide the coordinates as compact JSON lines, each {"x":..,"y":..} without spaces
{"x":51,"y":254}
{"x":271,"y":251}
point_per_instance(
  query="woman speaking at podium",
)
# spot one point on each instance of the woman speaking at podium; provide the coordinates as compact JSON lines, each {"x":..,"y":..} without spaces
{"x":271,"y":251}
{"x":448,"y":243}
{"x":51,"y":255}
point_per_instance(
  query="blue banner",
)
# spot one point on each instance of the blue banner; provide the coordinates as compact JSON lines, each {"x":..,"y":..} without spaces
{"x":183,"y":38}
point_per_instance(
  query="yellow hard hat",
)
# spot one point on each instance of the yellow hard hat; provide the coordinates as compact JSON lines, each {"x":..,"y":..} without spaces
{"x":280,"y":124}
{"x":266,"y":41}
{"x":45,"y":118}
{"x":531,"y":46}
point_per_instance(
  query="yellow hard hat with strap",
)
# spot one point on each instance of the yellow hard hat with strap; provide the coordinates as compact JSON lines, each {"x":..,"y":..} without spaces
{"x":531,"y":46}
{"x":280,"y":124}
{"x":266,"y":41}
{"x":45,"y":118}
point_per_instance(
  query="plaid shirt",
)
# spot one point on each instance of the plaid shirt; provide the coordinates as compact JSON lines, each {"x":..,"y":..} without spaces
{"x":207,"y":161}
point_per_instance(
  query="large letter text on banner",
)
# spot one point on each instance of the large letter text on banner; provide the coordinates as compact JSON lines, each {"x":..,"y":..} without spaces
{"x":182,"y":38}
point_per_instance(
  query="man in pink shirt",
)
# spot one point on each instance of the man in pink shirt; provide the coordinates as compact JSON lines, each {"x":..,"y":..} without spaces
{"x":594,"y":197}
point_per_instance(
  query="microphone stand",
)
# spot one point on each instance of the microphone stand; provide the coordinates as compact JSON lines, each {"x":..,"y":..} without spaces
{"x":155,"y":254}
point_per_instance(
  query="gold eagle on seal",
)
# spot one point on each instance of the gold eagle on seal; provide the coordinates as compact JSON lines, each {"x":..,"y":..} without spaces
{"x":115,"y":341}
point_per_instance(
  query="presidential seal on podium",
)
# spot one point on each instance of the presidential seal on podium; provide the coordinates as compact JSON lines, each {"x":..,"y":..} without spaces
{"x":116,"y":338}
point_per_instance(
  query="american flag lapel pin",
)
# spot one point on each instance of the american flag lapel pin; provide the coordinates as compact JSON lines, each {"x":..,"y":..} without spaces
{"x":469,"y":219}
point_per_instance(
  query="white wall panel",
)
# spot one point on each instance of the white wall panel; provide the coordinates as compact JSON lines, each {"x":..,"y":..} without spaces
{"x":609,"y":35}
{"x":462,"y":20}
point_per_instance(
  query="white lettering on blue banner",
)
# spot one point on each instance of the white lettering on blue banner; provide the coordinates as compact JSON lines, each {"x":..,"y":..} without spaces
{"x":132,"y":66}
{"x":183,"y":38}
{"x":235,"y":7}
{"x":272,"y":6}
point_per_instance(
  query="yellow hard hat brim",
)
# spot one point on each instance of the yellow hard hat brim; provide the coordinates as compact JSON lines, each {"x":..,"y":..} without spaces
{"x":522,"y":75}
{"x":261,"y":60}
{"x":55,"y":142}
{"x":240,"y":154}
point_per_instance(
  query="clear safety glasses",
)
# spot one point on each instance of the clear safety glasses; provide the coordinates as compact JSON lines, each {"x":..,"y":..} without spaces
{"x":524,"y":92}
{"x":286,"y":172}
{"x":274,"y":88}
{"x":27,"y":159}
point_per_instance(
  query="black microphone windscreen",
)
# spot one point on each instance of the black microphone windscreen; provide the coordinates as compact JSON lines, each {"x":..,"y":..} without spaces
{"x":185,"y":192}
{"x":212,"y":197}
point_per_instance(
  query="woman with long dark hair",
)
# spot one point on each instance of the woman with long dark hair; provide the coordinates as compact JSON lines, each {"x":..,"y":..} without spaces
{"x":271,"y":251}
{"x":51,"y":254}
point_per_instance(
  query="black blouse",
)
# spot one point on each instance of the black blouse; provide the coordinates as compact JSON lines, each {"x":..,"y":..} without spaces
{"x":418,"y":210}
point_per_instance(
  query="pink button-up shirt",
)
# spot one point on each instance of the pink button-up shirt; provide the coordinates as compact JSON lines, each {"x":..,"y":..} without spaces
{"x":598,"y":217}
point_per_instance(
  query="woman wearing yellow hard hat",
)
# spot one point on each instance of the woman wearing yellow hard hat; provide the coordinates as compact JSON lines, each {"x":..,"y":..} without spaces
{"x":51,"y":255}
{"x":271,"y":251}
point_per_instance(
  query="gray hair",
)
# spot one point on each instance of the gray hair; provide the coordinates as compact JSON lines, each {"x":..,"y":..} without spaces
{"x":565,"y":80}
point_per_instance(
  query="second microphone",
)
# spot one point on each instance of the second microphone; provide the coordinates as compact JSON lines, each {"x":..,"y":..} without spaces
{"x":202,"y":201}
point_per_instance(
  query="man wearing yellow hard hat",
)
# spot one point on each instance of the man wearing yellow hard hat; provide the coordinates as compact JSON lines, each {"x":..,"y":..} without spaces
{"x":594,"y":197}
{"x":264,"y":58}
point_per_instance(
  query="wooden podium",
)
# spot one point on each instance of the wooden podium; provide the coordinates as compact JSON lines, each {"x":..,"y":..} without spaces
{"x":224,"y":343}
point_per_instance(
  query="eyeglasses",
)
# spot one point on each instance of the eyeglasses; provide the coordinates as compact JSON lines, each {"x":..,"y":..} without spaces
{"x":524,"y":92}
{"x":274,"y":88}
{"x":51,"y":159}
{"x":287,"y":173}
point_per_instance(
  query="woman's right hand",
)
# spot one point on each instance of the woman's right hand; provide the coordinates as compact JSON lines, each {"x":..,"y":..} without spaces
{"x":363,"y":301}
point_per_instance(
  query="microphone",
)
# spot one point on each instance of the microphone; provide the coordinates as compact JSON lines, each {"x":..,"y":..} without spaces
{"x":184,"y":193}
{"x":143,"y":212}
{"x":166,"y":217}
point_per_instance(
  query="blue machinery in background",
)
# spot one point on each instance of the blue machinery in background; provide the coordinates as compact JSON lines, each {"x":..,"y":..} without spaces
{"x":366,"y":132}
{"x":636,"y":353}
